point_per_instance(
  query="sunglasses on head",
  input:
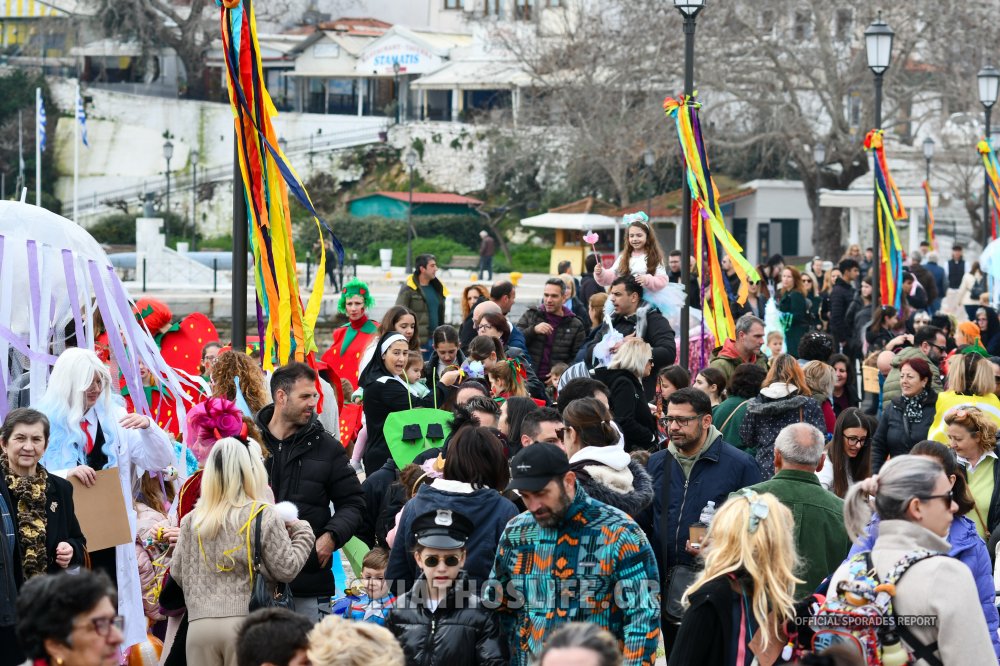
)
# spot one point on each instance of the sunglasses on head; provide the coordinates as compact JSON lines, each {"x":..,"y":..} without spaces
{"x":433,"y":560}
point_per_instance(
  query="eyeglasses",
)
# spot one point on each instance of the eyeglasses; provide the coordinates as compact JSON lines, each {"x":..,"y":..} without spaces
{"x":561,"y":432}
{"x":102,"y":625}
{"x":948,"y":497}
{"x":433,"y":560}
{"x":679,"y":420}
{"x":855,"y":441}
{"x":940,"y":348}
{"x":483,"y":327}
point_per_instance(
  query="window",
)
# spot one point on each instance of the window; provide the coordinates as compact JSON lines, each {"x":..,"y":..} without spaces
{"x":854,"y":111}
{"x":842,"y":29}
{"x":740,"y":231}
{"x":452,"y":4}
{"x":802,"y":28}
{"x":494,"y":8}
{"x":522,"y":9}
{"x":789,"y":236}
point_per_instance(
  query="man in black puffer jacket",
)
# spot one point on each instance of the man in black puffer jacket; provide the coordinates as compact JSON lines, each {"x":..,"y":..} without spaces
{"x":841,"y":297}
{"x":552,"y":331}
{"x":308,"y":467}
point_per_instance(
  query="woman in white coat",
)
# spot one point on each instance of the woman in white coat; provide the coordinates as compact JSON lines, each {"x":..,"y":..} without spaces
{"x":92,"y":431}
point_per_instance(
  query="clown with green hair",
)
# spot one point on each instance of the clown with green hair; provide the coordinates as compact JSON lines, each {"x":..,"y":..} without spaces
{"x":351,"y":339}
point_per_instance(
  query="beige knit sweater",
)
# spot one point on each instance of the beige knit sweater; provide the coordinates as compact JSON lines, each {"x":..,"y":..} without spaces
{"x":211,"y":592}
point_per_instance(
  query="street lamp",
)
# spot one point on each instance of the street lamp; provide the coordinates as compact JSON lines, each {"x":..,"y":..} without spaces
{"x":194,"y":195}
{"x":168,"y":152}
{"x":878,"y":44}
{"x":989,"y":81}
{"x":819,"y":154}
{"x":689,"y":9}
{"x":395,"y":73}
{"x":411,"y":161}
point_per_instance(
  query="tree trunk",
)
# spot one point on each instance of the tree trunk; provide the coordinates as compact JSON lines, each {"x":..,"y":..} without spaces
{"x":194,"y":71}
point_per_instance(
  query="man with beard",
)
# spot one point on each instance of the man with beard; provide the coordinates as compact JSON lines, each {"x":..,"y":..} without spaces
{"x":308,"y":467}
{"x":697,"y":467}
{"x":570,"y":558}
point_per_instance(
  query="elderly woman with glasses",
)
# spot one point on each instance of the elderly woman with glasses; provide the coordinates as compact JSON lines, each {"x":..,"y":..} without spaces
{"x":72,"y":620}
{"x":916,"y":503}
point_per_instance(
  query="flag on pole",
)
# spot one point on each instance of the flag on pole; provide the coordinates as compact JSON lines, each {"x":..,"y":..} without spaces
{"x":81,"y":115}
{"x":41,"y":125}
{"x":20,"y":153}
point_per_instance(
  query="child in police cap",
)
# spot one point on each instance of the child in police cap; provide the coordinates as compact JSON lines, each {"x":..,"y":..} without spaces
{"x":439,"y":621}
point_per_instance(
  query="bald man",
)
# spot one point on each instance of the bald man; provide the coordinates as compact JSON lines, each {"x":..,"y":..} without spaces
{"x":516,"y":337}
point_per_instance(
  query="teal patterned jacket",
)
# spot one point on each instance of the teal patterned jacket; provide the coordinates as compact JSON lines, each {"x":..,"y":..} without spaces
{"x":596,"y":567}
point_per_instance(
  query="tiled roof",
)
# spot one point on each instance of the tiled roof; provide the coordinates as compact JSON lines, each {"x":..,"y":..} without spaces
{"x":428,"y":198}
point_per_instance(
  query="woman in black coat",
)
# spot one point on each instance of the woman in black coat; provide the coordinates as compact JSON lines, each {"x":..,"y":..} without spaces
{"x":386,"y":391}
{"x":43,"y":499}
{"x":631,"y":363}
{"x":906,"y":420}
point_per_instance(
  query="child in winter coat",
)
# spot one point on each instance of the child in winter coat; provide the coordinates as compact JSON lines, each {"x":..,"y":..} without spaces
{"x":155,"y":537}
{"x":438,"y":622}
{"x":375,"y":601}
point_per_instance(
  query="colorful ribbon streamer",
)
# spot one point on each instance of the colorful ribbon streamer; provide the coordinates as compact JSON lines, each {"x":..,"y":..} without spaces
{"x":889,"y":209}
{"x":267,"y":179}
{"x":929,"y":215}
{"x":708,"y":226}
{"x":990,"y":164}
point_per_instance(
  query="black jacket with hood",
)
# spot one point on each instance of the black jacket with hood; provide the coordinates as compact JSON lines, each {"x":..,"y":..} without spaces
{"x":384,"y":393}
{"x":311,"y":470}
{"x":649,"y":324}
{"x":459,"y":632}
{"x":488,"y":510}
{"x":628,"y":404}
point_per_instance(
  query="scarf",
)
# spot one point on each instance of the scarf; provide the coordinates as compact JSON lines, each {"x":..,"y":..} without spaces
{"x":29,"y":493}
{"x":913,"y":408}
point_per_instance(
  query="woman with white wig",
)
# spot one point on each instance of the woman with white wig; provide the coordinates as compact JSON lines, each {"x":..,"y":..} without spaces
{"x":92,"y":431}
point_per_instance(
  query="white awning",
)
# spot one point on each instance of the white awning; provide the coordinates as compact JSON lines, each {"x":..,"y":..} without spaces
{"x":862,"y":198}
{"x":571,"y":221}
{"x":475,"y":75}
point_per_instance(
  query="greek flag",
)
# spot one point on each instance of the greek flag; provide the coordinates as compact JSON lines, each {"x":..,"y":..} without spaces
{"x":41,"y":125}
{"x":81,"y":115}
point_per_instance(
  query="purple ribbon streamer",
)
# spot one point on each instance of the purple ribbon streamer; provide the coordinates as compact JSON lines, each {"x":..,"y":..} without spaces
{"x":33,"y":285}
{"x":74,"y":294}
{"x":18,"y":343}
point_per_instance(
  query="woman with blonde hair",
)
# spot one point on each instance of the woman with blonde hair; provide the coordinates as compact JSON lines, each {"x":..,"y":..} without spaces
{"x":214,"y":552}
{"x":972,"y":435}
{"x":784,"y":398}
{"x":750,"y":562}
{"x":339,"y":642}
{"x":970,"y":384}
{"x":630,"y":365}
{"x":235,"y":374}
{"x":820,"y":379}
{"x":914,"y":500}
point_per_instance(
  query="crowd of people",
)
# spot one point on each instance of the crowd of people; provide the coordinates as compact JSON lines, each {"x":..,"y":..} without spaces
{"x":551,"y":490}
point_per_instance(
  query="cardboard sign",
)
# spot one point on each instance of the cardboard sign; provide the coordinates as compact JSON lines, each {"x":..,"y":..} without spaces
{"x":870,"y":379}
{"x":101,"y":511}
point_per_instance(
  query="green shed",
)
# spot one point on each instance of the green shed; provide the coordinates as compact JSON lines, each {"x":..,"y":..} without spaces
{"x":394,"y":205}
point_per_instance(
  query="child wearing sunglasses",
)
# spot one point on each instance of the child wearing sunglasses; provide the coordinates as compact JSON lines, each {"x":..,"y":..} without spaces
{"x":439,"y":621}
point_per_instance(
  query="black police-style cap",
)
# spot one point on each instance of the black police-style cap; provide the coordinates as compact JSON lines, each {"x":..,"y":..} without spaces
{"x":442,"y":528}
{"x":535,"y":465}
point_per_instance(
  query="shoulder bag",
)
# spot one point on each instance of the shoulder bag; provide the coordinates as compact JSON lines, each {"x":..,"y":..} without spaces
{"x":681,"y":576}
{"x":262,"y":593}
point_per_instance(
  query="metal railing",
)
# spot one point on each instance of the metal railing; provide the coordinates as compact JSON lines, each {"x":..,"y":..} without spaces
{"x":101,"y":202}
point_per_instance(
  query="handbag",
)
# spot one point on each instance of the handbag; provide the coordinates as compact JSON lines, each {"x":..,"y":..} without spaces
{"x":680,"y":576}
{"x":262,"y":594}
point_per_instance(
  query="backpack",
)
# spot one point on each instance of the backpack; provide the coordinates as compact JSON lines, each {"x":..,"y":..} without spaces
{"x":860,"y":613}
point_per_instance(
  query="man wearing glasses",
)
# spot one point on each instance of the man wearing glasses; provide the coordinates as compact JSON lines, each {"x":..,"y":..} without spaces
{"x":697,"y":467}
{"x":928,"y":344}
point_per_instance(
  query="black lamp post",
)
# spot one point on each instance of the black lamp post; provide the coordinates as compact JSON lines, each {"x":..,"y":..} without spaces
{"x":989,"y":82}
{"x":399,"y":98}
{"x":168,"y":152}
{"x":194,"y":195}
{"x":689,"y":9}
{"x":411,"y":161}
{"x":928,"y":146}
{"x":878,"y":44}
